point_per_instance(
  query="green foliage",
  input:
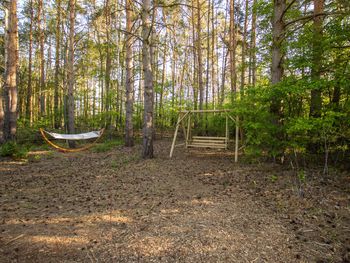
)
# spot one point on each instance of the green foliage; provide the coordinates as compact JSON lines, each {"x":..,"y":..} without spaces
{"x":12,"y":149}
{"x":106,"y":146}
{"x":302,"y":176}
{"x":273,"y":178}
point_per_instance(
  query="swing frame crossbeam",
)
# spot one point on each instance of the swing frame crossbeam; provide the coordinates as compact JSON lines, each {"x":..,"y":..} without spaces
{"x":184,"y":120}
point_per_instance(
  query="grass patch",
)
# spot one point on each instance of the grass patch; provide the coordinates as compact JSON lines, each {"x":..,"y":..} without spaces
{"x":107,"y":145}
{"x":12,"y":149}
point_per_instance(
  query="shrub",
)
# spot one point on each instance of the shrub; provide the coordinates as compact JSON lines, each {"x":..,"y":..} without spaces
{"x":12,"y":149}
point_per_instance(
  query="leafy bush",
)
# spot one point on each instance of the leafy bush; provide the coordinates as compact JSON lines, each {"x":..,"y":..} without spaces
{"x":12,"y":149}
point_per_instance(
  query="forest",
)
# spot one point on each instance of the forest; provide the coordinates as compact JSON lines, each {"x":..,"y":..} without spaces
{"x":266,"y":81}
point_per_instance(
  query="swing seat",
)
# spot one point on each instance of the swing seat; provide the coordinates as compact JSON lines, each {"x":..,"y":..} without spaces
{"x":208,"y":142}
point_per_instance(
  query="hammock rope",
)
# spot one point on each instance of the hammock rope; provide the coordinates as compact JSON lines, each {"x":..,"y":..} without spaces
{"x":82,"y":136}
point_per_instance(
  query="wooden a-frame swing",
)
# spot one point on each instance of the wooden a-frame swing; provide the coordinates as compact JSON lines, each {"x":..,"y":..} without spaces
{"x":184,"y":120}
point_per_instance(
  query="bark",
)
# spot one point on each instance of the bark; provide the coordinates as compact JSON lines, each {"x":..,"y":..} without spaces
{"x":148,"y":81}
{"x":316,"y":99}
{"x":244,"y":47}
{"x":71,"y":73}
{"x":277,"y":69}
{"x":252,"y":58}
{"x":57,"y":119}
{"x":108,"y":65}
{"x":165,"y":53}
{"x":11,"y":60}
{"x":30,"y":51}
{"x":232,"y":49}
{"x":208,"y":58}
{"x":42,"y":58}
{"x":194,"y":83}
{"x":213,"y":64}
{"x":129,"y":84}
{"x":199,"y":51}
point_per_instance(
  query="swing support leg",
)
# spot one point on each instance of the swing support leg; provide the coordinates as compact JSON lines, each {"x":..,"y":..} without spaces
{"x":236,"y":141}
{"x":179,"y":120}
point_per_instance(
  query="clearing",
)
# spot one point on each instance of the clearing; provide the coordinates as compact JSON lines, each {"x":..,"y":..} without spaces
{"x":196,"y":207}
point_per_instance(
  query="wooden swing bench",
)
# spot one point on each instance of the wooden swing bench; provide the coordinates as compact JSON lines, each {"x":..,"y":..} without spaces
{"x":185,"y":121}
{"x":208,"y":142}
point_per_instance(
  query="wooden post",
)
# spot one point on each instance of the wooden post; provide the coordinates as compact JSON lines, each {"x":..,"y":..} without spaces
{"x":188,"y":129}
{"x":227,"y":133}
{"x":183,"y":121}
{"x":175,"y":134}
{"x":236,"y":143}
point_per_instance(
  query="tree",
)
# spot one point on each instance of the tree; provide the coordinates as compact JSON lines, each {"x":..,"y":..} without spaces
{"x":232,"y":49}
{"x":42,"y":57}
{"x":317,"y":53}
{"x":199,"y":50}
{"x":277,"y":68}
{"x":148,"y":81}
{"x":129,"y":81}
{"x":11,"y":59}
{"x":30,"y":50}
{"x":71,"y":77}
{"x":57,"y":119}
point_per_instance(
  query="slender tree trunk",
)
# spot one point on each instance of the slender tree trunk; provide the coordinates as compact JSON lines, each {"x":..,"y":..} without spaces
{"x":244,"y":47}
{"x":208,"y":58}
{"x":30,"y":51}
{"x":42,"y":58}
{"x":232,"y":49}
{"x":252,"y":58}
{"x":213,"y":76}
{"x":165,"y":53}
{"x":129,"y":82}
{"x":108,"y":65}
{"x":11,"y":60}
{"x":277,"y":54}
{"x":71,"y":73}
{"x":199,"y":50}
{"x":57,"y":119}
{"x":148,"y":81}
{"x":195,"y":46}
{"x":316,"y":99}
{"x":222,"y":90}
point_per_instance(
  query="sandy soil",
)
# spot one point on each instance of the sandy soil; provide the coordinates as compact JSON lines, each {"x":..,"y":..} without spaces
{"x":196,"y":207}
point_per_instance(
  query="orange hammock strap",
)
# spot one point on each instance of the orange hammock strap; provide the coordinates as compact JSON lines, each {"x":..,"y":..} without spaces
{"x":62,"y":149}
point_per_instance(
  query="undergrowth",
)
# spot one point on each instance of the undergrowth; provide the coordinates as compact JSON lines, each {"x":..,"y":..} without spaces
{"x":107,"y":145}
{"x":12,"y":149}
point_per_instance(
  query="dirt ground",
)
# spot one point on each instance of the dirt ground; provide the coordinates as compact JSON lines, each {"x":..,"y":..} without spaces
{"x":197,"y":207}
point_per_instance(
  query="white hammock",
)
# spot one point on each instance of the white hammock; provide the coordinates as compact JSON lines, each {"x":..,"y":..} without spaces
{"x":80,"y":136}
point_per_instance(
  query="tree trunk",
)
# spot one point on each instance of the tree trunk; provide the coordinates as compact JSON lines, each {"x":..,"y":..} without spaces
{"x":244,"y":47}
{"x":252,"y":58}
{"x":42,"y":58}
{"x":213,"y":64}
{"x":199,"y":50}
{"x":108,"y":119}
{"x":129,"y":82}
{"x":30,"y":51}
{"x":11,"y":60}
{"x":317,"y":53}
{"x":71,"y":77}
{"x":277,"y":54}
{"x":57,"y":119}
{"x":148,"y":81}
{"x":232,"y":50}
